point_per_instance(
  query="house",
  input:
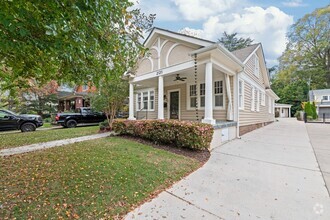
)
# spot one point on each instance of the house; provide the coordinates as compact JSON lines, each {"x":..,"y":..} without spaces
{"x":321,"y":98}
{"x":283,"y":110}
{"x":187,"y":78}
{"x":71,"y":98}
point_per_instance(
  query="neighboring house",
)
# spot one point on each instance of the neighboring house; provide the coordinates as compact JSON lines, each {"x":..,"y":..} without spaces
{"x":283,"y":110}
{"x":321,"y":98}
{"x":70,"y":98}
{"x":188,"y":78}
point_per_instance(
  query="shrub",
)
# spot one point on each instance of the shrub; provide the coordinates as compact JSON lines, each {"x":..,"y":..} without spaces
{"x":298,"y":115}
{"x":47,"y":120}
{"x":193,"y":135}
{"x":104,"y":125}
{"x":309,"y":117}
{"x":314,"y":111}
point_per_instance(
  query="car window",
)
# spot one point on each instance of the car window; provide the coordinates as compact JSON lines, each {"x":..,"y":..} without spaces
{"x":3,"y":114}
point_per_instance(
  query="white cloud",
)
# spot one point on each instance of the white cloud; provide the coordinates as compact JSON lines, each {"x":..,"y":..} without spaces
{"x":268,"y":26}
{"x":194,"y":10}
{"x":163,"y":9}
{"x":294,"y":3}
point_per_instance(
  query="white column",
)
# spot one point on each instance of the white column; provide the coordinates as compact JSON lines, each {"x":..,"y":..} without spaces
{"x":208,"y":115}
{"x":131,"y":102}
{"x":160,"y":97}
{"x":289,"y":112}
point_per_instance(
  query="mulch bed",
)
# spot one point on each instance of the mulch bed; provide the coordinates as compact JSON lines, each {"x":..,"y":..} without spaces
{"x":200,"y":155}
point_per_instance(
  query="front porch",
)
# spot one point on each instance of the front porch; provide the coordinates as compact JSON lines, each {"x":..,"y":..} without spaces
{"x":206,"y":95}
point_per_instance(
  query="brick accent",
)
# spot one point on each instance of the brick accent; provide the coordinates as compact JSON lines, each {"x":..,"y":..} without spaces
{"x":248,"y":128}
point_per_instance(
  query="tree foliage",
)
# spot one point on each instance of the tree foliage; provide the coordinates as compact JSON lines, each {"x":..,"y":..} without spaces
{"x":304,"y":64}
{"x":64,"y":40}
{"x":232,"y":42}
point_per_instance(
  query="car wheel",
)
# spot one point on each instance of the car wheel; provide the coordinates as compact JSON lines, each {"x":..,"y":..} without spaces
{"x":71,"y":123}
{"x":26,"y":127}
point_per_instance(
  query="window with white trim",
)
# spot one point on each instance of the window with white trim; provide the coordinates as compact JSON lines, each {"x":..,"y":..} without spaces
{"x":218,"y":93}
{"x":193,"y":95}
{"x":145,"y":100}
{"x":258,"y":100}
{"x":325,"y":98}
{"x":241,"y":94}
{"x":202,"y":94}
{"x":256,"y":65}
{"x":253,"y":100}
{"x":263,"y":99}
{"x":152,"y":99}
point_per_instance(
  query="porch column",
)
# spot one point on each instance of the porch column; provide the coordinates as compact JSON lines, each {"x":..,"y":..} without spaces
{"x":131,"y":102}
{"x":160,"y":97}
{"x":289,"y":112}
{"x":208,"y":115}
{"x":230,"y":115}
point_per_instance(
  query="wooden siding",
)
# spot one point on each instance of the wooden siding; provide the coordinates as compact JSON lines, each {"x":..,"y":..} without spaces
{"x":248,"y":117}
{"x":249,"y":70}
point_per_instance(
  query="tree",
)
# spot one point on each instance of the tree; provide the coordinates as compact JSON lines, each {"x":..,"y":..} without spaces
{"x":308,"y":49}
{"x":67,"y":41}
{"x":39,"y":98}
{"x":231,"y":42}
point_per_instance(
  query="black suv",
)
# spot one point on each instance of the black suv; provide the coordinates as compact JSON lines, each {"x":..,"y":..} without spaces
{"x":11,"y":121}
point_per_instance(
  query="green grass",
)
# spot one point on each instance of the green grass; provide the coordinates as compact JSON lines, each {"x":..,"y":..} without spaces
{"x":19,"y":139}
{"x":89,"y":180}
{"x":48,"y":125}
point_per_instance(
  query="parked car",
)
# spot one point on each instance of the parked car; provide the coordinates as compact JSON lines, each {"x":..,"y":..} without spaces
{"x":12,"y":121}
{"x":83,"y":115}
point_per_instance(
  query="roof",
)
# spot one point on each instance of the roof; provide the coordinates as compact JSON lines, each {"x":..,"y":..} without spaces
{"x":320,"y":92}
{"x":243,"y":54}
{"x":282,"y":105}
{"x":176,"y":33}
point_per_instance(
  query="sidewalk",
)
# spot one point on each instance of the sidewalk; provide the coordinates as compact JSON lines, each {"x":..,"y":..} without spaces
{"x":319,"y":135}
{"x":270,"y":173}
{"x":50,"y":144}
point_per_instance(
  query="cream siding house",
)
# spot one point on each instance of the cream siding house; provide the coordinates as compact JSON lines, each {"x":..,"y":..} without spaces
{"x":187,"y":78}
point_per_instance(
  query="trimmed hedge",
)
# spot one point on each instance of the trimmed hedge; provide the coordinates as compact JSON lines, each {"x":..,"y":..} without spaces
{"x":193,"y":135}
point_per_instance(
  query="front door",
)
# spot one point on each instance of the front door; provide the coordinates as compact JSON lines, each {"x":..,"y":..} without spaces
{"x":174,"y":105}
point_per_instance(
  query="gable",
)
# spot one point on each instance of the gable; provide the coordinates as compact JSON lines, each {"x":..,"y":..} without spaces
{"x":165,"y":52}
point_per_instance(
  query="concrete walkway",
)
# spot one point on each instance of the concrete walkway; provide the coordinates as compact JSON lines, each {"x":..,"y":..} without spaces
{"x":270,"y":173}
{"x":319,"y":135}
{"x":50,"y":144}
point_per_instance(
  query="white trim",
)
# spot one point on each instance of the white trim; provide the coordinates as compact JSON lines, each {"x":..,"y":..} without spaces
{"x":258,"y":100}
{"x":263,"y":98}
{"x":269,"y":104}
{"x":169,"y":52}
{"x":247,"y":79}
{"x":253,"y":99}
{"x":169,"y":102}
{"x":243,"y":95}
{"x":165,"y":71}
{"x":188,"y":84}
{"x":253,"y":52}
{"x":141,"y":91}
{"x":256,"y":71}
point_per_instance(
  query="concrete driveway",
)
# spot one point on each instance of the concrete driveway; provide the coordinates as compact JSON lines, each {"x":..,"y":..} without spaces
{"x":270,"y":173}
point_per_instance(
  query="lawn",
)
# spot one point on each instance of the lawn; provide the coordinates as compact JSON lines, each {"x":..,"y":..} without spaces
{"x":19,"y":139}
{"x":96,"y":179}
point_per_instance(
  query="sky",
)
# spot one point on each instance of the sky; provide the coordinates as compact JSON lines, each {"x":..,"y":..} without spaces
{"x":265,"y":21}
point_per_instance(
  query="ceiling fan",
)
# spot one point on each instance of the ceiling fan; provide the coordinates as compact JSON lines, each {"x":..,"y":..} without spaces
{"x":179,"y":78}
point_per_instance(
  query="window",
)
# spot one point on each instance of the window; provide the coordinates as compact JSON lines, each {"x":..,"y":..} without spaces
{"x":202,"y":94}
{"x":269,"y":105}
{"x":145,"y":101}
{"x":258,"y":100}
{"x":256,"y":65}
{"x":252,"y":99}
{"x":325,"y":98}
{"x":218,"y":94}
{"x":241,"y":94}
{"x":193,"y":95}
{"x":152,"y":100}
{"x":263,"y":99}
{"x":139,"y":104}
